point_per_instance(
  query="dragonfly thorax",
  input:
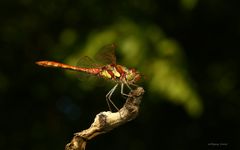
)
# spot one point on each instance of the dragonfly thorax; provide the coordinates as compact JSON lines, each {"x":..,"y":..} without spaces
{"x":120,"y":73}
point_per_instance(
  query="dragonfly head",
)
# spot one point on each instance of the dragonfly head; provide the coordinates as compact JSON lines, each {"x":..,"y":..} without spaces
{"x":133,"y":76}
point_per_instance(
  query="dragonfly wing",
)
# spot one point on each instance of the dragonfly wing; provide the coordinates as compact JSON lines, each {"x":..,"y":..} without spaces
{"x":106,"y":55}
{"x":86,"y":62}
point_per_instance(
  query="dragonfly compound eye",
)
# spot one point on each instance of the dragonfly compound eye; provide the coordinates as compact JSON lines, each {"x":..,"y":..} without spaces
{"x":137,"y":77}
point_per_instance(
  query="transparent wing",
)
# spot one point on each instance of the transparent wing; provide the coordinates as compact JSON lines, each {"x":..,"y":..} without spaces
{"x":86,"y":62}
{"x":106,"y":55}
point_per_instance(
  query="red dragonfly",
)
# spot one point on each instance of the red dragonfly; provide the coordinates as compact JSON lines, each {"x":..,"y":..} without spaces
{"x":111,"y":71}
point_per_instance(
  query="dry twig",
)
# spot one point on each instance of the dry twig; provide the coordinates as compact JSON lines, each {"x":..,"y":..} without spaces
{"x":106,"y":121}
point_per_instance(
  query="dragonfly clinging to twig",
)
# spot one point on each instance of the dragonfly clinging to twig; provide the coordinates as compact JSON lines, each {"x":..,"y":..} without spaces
{"x":119,"y":74}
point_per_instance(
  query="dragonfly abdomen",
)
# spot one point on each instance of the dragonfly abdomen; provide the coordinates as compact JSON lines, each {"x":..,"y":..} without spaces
{"x":69,"y":67}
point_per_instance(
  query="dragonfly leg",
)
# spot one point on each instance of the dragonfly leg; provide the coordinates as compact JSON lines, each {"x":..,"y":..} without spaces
{"x":128,"y":86}
{"x":108,"y":98}
{"x":134,"y":84}
{"x":122,"y":92}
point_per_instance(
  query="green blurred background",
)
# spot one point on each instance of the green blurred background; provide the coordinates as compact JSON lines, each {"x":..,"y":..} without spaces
{"x":187,"y":51}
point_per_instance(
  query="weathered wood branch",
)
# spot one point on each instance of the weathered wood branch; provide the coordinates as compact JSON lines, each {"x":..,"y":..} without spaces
{"x":106,"y":121}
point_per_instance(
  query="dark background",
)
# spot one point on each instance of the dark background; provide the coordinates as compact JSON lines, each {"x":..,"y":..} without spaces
{"x":41,"y":108}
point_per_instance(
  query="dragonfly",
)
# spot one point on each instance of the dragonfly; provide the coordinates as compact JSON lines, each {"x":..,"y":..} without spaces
{"x":119,"y":74}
